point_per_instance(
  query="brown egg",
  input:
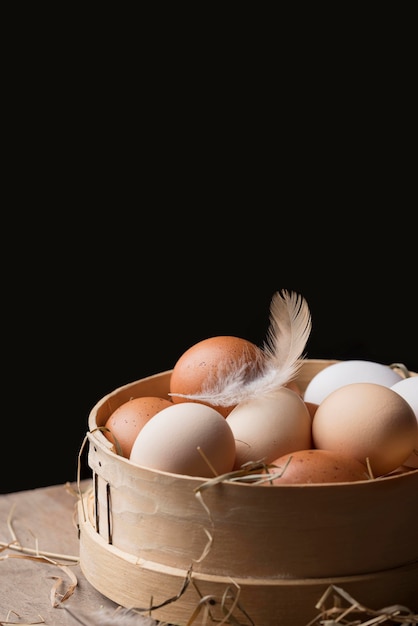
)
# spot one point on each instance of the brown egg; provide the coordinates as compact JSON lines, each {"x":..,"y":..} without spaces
{"x":312,"y":407}
{"x":128,"y":419}
{"x":317,"y":466}
{"x":208,"y":362}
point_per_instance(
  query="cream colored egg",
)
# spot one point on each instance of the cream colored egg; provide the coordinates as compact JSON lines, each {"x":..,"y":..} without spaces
{"x":187,"y":438}
{"x":270,"y":426}
{"x":367,"y":421}
{"x":345,"y":372}
{"x":408,"y":389}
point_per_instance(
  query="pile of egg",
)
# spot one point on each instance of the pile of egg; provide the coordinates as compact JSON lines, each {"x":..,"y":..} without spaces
{"x":356,"y":420}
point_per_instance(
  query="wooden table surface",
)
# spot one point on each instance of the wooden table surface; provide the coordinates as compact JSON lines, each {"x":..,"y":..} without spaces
{"x":42,"y":583}
{"x":34,"y":583}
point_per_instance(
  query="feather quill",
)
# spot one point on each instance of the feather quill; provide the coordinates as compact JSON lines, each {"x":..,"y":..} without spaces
{"x":279,"y":359}
{"x":106,"y":616}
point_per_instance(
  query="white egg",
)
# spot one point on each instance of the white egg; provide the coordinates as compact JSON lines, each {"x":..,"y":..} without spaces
{"x":408,"y":389}
{"x":345,"y":372}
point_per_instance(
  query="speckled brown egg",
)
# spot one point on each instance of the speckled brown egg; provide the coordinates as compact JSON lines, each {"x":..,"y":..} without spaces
{"x":317,"y":466}
{"x":128,"y":419}
{"x":206,"y":363}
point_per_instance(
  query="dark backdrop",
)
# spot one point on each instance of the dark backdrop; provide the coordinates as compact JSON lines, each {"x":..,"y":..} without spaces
{"x":121,"y":299}
{"x":136,"y":223}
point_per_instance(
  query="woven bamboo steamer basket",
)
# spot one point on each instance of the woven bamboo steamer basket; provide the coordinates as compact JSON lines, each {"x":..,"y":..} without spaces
{"x":272,"y":551}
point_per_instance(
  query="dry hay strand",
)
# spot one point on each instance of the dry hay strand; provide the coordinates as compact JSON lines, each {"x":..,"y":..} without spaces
{"x":229,"y":604}
{"x":58,"y":595}
{"x":20,"y":623}
{"x":346,"y":611}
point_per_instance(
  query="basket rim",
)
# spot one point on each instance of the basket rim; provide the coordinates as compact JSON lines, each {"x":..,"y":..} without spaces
{"x":96,"y":437}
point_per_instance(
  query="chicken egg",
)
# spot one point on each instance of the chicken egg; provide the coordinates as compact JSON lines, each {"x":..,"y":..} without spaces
{"x":186,"y":438}
{"x":207,"y":362}
{"x":345,"y":372}
{"x":266,"y":427}
{"x":127,"y":420}
{"x":366,"y":421}
{"x":316,"y":466}
{"x":408,"y":389}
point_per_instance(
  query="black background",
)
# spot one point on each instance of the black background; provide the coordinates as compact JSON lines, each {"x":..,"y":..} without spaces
{"x":147,"y":210}
{"x":102,"y":309}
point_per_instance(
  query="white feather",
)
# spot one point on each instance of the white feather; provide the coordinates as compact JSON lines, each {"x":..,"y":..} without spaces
{"x":279,"y":359}
{"x":105,"y":616}
{"x":288,"y":333}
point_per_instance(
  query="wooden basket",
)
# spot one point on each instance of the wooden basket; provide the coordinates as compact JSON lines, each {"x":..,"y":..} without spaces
{"x":149,"y":540}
